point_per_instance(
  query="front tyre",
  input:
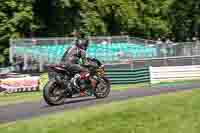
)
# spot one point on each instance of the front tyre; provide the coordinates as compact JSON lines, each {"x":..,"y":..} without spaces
{"x":53,"y":93}
{"x":103,"y":88}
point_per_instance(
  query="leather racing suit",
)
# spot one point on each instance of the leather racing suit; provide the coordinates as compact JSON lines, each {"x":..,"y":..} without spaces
{"x":74,"y":58}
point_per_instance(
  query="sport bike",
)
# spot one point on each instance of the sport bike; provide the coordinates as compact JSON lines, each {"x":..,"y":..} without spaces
{"x":60,"y":86}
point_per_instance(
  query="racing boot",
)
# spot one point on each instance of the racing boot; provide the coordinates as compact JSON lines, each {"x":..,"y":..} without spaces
{"x":74,"y":82}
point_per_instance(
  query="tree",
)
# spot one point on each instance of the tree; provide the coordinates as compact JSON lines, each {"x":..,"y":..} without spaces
{"x":185,"y":18}
{"x":16,"y":19}
{"x":58,"y":17}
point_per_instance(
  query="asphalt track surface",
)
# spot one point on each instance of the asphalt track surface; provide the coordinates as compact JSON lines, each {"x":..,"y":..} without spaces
{"x":27,"y":110}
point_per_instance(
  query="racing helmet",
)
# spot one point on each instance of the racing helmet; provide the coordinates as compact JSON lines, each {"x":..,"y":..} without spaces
{"x":82,"y":41}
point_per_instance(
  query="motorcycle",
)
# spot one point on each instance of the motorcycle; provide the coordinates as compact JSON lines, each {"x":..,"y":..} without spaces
{"x":60,"y":84}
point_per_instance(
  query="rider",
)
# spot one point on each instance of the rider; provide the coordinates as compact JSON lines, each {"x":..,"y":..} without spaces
{"x":75,"y":57}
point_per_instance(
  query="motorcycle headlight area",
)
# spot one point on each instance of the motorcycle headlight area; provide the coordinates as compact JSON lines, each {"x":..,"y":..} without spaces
{"x":100,"y":72}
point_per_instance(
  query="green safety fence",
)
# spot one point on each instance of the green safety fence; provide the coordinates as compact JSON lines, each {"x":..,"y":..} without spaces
{"x":127,"y":76}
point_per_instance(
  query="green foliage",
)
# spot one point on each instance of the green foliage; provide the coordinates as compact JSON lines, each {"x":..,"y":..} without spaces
{"x":2,"y":58}
{"x":93,"y":24}
{"x":16,"y":18}
{"x":142,"y":18}
{"x":185,"y":18}
{"x":99,"y":17}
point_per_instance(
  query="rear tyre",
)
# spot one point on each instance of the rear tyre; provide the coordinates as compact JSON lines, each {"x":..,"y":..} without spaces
{"x":53,"y":94}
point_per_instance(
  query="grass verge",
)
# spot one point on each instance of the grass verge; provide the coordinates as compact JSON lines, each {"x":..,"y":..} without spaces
{"x":129,"y":86}
{"x":171,"y":113}
{"x":19,"y":98}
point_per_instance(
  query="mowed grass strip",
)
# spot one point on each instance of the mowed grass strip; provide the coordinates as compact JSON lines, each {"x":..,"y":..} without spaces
{"x":20,"y":98}
{"x":130,"y":86}
{"x":169,"y":113}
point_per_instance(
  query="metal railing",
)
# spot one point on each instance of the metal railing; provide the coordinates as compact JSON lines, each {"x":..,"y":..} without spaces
{"x":114,"y":51}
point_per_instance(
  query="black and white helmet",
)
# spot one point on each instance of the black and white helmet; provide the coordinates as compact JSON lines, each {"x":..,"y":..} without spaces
{"x":82,"y":41}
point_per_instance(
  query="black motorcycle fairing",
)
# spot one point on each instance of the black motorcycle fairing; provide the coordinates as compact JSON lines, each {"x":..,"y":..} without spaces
{"x":67,"y":90}
{"x":64,"y":73}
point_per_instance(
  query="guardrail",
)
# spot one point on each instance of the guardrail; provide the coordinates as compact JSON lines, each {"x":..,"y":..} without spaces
{"x":19,"y":84}
{"x":127,"y":76}
{"x":165,"y":74}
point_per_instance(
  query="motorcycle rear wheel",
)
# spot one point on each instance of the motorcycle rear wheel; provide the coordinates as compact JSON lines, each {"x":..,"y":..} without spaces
{"x":53,"y":93}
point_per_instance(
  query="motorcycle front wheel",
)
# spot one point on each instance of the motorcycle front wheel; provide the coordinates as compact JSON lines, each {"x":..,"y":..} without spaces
{"x":103,"y":88}
{"x":53,"y":94}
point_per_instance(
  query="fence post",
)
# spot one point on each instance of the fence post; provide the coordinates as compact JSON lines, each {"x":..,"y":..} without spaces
{"x":150,"y":74}
{"x":25,"y":62}
{"x":193,"y":52}
{"x":11,"y":51}
{"x":41,"y":64}
{"x":165,"y":61}
{"x":132,"y":65}
{"x":128,"y":39}
{"x":193,"y":61}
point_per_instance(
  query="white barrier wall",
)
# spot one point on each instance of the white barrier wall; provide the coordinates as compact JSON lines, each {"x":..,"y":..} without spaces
{"x":20,"y":84}
{"x":165,"y":74}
